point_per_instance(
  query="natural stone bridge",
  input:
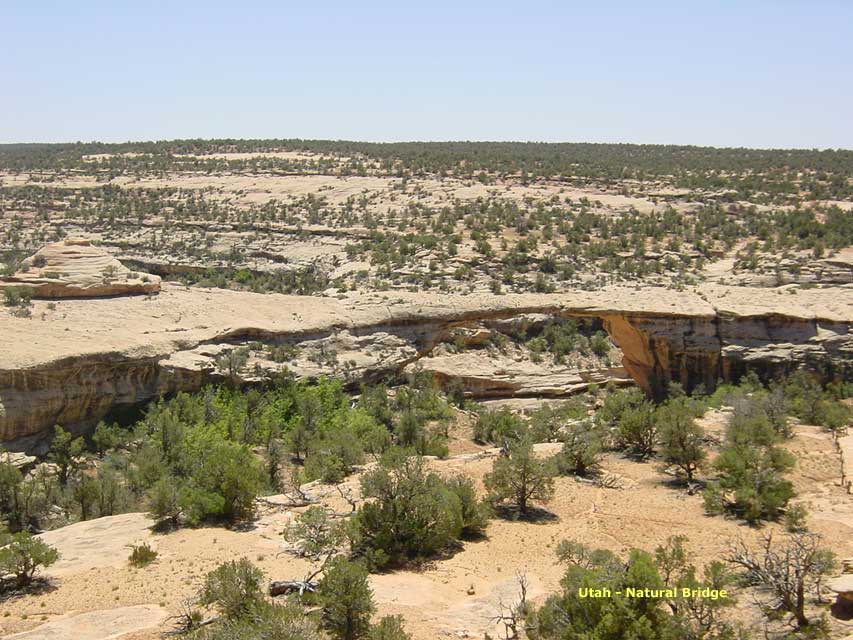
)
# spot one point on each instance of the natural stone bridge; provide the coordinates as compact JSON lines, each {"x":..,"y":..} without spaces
{"x":76,"y":359}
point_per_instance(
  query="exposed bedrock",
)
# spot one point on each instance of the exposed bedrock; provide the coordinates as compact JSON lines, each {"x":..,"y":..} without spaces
{"x":74,"y":268}
{"x":71,"y":363}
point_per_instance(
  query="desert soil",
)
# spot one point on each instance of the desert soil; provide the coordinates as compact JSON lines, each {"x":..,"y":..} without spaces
{"x":94,"y":594}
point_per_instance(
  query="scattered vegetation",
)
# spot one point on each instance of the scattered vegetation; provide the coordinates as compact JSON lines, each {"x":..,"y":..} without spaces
{"x":342,"y":608}
{"x":207,"y":457}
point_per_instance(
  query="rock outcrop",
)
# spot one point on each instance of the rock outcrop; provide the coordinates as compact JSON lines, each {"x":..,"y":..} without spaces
{"x":105,"y":624}
{"x":83,"y":358}
{"x":775,"y":271}
{"x":77,"y":269}
{"x":843,"y":584}
{"x":486,"y":376}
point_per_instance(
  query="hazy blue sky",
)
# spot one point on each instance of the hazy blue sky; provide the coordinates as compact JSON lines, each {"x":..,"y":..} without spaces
{"x":766,"y":74}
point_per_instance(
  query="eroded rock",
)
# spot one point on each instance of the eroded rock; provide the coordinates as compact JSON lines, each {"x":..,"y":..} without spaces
{"x":75,"y":268}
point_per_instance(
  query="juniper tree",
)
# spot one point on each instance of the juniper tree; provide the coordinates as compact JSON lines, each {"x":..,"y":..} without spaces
{"x":520,"y":478}
{"x":680,"y":436}
{"x":346,"y":599}
{"x":789,"y":571}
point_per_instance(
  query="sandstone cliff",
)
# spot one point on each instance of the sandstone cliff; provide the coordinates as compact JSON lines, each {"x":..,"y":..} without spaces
{"x":75,"y":359}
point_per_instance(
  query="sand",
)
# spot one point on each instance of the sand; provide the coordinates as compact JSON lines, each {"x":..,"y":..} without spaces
{"x":453,"y":597}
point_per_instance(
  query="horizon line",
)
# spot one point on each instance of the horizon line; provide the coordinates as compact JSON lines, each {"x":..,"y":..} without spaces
{"x":416,"y":141}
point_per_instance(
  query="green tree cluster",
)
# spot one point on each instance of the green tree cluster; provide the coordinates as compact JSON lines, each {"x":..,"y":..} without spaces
{"x":750,"y":466}
{"x":577,"y":614}
{"x":412,"y":513}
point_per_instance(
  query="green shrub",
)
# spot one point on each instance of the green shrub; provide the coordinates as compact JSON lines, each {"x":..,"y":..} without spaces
{"x":599,"y":344}
{"x":17,"y":296}
{"x":581,"y":452}
{"x":65,"y":451}
{"x":572,"y":614}
{"x":163,"y":500}
{"x":474,"y":512}
{"x":233,"y":588}
{"x":562,"y":338}
{"x":550,"y":422}
{"x":108,"y":437}
{"x":26,"y":499}
{"x":22,"y":556}
{"x":331,"y":457}
{"x":141,"y":555}
{"x":750,"y":465}
{"x":346,"y":599}
{"x":314,"y":534}
{"x":456,"y":395}
{"x":415,"y":514}
{"x":389,"y":628}
{"x":223,"y":481}
{"x":499,"y":427}
{"x":520,"y":478}
{"x":376,"y":402}
{"x":750,"y":423}
{"x":417,"y":405}
{"x":750,"y":482}
{"x":804,"y":394}
{"x":568,"y":615}
{"x":637,"y":430}
{"x":616,"y":404}
{"x":795,"y":518}
{"x":833,"y":415}
{"x":681,"y":437}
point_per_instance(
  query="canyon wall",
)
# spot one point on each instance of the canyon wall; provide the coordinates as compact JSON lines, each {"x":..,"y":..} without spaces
{"x":71,"y":363}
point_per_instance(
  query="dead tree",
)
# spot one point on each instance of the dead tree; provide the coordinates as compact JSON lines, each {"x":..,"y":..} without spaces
{"x":292,"y":488}
{"x":346,"y":494}
{"x":608,"y":481}
{"x":787,"y":571}
{"x":315,"y":536}
{"x":189,"y":619}
{"x":513,"y":616}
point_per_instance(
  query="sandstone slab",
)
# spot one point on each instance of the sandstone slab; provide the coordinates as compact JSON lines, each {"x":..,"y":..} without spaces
{"x":77,"y":269}
{"x":107,"y":624}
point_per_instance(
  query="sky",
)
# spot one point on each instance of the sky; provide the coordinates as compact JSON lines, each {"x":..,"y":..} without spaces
{"x":742,"y":73}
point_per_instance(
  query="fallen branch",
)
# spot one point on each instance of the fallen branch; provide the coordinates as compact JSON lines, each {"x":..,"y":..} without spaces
{"x":286,"y":587}
{"x":188,"y":620}
{"x":280,"y":506}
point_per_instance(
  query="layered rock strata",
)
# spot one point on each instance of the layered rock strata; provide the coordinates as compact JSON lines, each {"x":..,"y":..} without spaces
{"x":77,"y":269}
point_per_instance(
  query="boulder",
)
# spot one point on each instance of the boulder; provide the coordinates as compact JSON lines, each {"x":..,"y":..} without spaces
{"x":843,"y":586}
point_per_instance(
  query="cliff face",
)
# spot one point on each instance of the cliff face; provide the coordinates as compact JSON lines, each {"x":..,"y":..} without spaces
{"x":80,"y":391}
{"x":658,"y":350}
{"x":705,"y":350}
{"x":92,"y":355}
